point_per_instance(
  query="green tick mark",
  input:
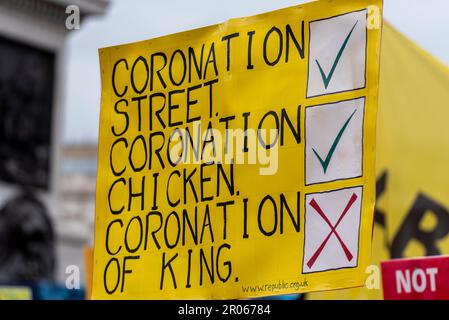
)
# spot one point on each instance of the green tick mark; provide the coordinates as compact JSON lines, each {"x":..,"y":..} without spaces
{"x":325,"y":163}
{"x":327,"y":79}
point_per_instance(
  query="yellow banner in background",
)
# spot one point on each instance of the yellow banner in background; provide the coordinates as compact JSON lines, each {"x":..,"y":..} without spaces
{"x":88,"y":253}
{"x":412,"y":156}
{"x":15,"y":293}
{"x":237,"y":160}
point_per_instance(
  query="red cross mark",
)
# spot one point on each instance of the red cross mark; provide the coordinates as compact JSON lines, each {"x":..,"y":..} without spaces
{"x":317,"y":208}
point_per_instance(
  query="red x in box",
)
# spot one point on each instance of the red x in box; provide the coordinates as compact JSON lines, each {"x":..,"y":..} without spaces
{"x":332,"y":227}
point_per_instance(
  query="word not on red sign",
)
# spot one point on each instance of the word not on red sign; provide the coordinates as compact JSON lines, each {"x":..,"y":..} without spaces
{"x":416,"y":279}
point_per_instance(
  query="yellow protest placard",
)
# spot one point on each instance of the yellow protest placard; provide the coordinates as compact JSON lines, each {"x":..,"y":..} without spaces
{"x":237,"y":160}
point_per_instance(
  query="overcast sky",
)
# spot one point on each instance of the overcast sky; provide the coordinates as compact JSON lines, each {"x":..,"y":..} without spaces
{"x":425,"y":22}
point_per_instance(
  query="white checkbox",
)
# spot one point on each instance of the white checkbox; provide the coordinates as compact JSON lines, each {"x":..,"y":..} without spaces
{"x":337,"y":54}
{"x":334,"y":141}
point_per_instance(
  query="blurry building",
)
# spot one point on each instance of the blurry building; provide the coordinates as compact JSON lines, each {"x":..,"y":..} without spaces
{"x":77,"y":178}
{"x":77,"y":191}
{"x":41,"y":224}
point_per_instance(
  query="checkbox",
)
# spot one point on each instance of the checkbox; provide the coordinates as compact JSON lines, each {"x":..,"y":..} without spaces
{"x":337,"y":54}
{"x":332,"y":229}
{"x":334,"y":141}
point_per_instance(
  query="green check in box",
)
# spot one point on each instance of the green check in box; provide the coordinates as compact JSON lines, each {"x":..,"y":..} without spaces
{"x":334,"y":141}
{"x":337,"y":54}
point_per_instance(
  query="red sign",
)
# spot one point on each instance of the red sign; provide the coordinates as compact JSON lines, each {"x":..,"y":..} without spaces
{"x":416,"y":279}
